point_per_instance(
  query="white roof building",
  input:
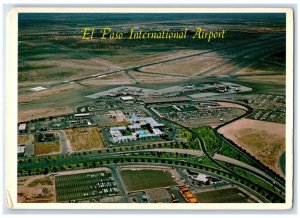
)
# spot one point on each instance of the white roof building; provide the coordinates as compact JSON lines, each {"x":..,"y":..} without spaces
{"x":21,"y":149}
{"x":127,"y":98}
{"x":22,"y":126}
{"x":202,"y":178}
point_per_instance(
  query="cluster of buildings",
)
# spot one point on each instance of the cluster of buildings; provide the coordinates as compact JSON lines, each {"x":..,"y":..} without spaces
{"x":140,"y":127}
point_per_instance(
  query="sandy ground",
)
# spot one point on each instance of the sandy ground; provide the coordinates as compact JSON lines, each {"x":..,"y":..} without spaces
{"x":189,"y":66}
{"x":30,"y":190}
{"x":227,"y":104}
{"x":30,"y":114}
{"x":264,"y":140}
{"x":114,"y":79}
{"x":281,"y":79}
{"x":136,"y":59}
{"x":24,"y":139}
{"x":84,"y":138}
{"x":34,"y":96}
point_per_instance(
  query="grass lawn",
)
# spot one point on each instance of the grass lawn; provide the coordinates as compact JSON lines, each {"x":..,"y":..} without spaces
{"x":166,"y":110}
{"x":229,"y":195}
{"x":146,"y":179}
{"x":212,"y":142}
{"x":127,"y":133}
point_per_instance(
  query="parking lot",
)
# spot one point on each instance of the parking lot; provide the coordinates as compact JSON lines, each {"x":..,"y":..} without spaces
{"x":85,"y":186}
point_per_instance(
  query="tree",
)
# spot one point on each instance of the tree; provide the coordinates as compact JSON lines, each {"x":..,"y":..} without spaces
{"x":46,"y":171}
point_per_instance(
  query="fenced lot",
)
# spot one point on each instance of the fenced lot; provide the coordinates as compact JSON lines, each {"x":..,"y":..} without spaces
{"x":84,"y":186}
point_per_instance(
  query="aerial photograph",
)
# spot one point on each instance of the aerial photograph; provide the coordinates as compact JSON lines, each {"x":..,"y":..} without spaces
{"x":151,"y":108}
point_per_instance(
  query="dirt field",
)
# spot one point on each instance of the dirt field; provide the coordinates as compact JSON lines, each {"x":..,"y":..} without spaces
{"x":227,"y":104}
{"x":264,"y":140}
{"x":46,"y":148}
{"x":23,"y":139}
{"x":26,"y":115}
{"x":136,"y":58}
{"x":189,"y":66}
{"x":272,"y":78}
{"x":36,"y":189}
{"x":84,"y":138}
{"x":34,"y":96}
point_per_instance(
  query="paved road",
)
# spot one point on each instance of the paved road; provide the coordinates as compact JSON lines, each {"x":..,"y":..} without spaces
{"x":243,"y":165}
{"x":203,"y":148}
{"x":179,"y":151}
{"x":63,"y":141}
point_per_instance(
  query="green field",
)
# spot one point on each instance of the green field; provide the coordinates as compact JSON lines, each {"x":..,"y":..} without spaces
{"x":146,"y":179}
{"x":230,"y":195}
{"x":84,"y":186}
{"x":166,"y":110}
{"x":187,"y":108}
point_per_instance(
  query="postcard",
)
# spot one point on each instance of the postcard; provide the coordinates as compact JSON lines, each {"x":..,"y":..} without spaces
{"x":149,"y":108}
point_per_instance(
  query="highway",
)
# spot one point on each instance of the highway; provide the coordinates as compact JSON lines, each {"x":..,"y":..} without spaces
{"x":280,"y":187}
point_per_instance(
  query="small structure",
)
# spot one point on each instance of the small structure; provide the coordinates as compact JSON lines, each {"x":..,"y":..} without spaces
{"x":21,"y":150}
{"x":82,"y":115}
{"x":22,"y":127}
{"x":202,"y":179}
{"x":158,"y":196}
{"x":222,"y":88}
{"x":127,"y":98}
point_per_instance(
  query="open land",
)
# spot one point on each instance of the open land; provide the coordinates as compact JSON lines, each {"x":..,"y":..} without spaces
{"x":36,"y":189}
{"x":23,"y":139}
{"x":140,"y":179}
{"x":228,"y":195}
{"x":46,"y":148}
{"x":85,"y":138}
{"x":264,"y":140}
